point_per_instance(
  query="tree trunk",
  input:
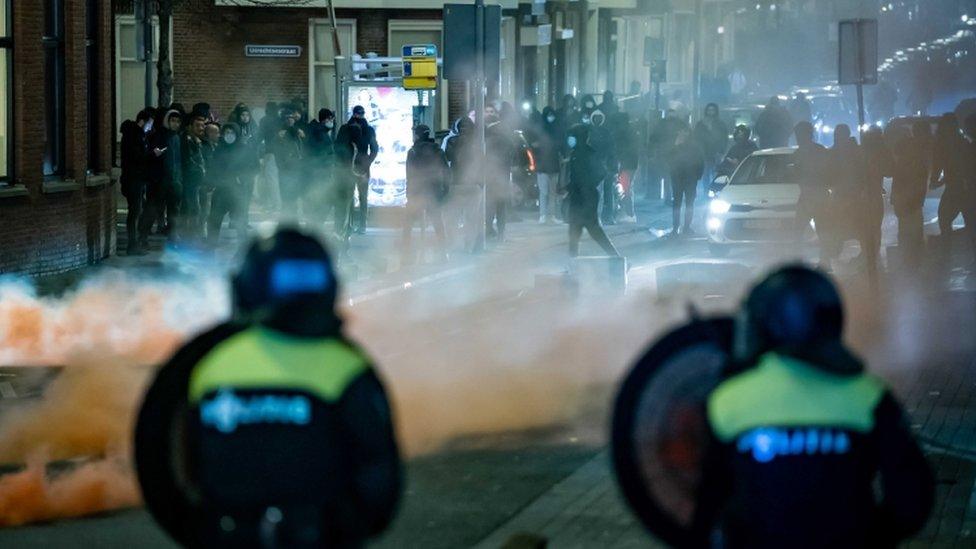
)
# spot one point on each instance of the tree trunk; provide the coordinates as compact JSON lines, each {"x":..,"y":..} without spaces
{"x":164,"y":71}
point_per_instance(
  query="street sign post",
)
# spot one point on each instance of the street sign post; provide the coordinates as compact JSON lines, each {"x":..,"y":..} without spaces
{"x":858,"y":57}
{"x":420,"y":67}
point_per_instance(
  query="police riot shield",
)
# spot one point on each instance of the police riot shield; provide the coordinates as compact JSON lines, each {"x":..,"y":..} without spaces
{"x":659,"y":431}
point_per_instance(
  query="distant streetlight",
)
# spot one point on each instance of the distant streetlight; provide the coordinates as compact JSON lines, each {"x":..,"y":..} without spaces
{"x":720,"y":30}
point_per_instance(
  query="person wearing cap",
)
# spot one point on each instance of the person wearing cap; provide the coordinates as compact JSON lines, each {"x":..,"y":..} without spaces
{"x":271,"y":429}
{"x":368,"y":149}
{"x":806,"y":448}
{"x":428,"y":178}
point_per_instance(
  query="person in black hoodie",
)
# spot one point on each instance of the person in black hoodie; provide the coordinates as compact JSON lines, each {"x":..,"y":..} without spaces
{"x":547,"y":163}
{"x":319,"y":161}
{"x":427,"y":184}
{"x":194,"y":168}
{"x":368,"y":149}
{"x":250,"y":139}
{"x":135,"y":172}
{"x":289,"y":154}
{"x":742,"y":147}
{"x":227,"y":172}
{"x":165,"y":189}
{"x":586,"y":173}
{"x":687,"y":166}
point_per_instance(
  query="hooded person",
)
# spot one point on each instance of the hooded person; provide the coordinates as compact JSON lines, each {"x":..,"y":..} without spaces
{"x":773,"y":125}
{"x":609,"y":104}
{"x":601,"y":139}
{"x":586,"y":173}
{"x":194,"y":167}
{"x":228,"y":169}
{"x":805,"y":447}
{"x":272,"y":429}
{"x":949,"y":170}
{"x":587,"y":106}
{"x":742,"y":147}
{"x":427,"y":187}
{"x":687,"y":164}
{"x":713,"y":137}
{"x":500,"y":157}
{"x":250,"y":138}
{"x":546,"y":147}
{"x":909,"y":185}
{"x":133,"y":181}
{"x":812,"y":165}
{"x":165,"y":188}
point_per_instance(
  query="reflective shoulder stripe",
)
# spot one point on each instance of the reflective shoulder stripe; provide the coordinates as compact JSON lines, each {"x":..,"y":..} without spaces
{"x":784,"y":392}
{"x":257,"y":359}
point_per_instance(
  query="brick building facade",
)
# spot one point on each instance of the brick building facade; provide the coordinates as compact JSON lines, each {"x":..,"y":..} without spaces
{"x":57,"y":208}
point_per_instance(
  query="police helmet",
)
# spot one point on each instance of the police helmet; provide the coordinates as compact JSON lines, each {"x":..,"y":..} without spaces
{"x":795,"y":309}
{"x":287,"y":281}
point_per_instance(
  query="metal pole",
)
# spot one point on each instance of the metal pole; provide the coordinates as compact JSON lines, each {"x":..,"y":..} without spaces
{"x":860,"y":77}
{"x":337,"y":47}
{"x":479,"y":114}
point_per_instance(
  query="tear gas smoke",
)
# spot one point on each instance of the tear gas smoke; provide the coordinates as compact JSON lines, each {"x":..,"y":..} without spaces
{"x":467,"y":356}
{"x":534,"y":370}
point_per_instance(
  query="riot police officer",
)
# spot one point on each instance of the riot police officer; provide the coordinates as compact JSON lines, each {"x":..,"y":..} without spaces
{"x":271,"y":430}
{"x":800,"y":432}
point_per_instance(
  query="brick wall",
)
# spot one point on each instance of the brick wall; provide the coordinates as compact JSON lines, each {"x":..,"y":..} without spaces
{"x":209,"y":63}
{"x":52,"y":232}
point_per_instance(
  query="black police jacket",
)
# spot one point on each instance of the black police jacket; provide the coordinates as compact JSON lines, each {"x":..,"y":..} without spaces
{"x":245,"y":422}
{"x":795,"y":451}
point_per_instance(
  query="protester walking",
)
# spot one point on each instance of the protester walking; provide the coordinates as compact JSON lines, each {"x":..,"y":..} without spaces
{"x":427,"y":186}
{"x":687,"y":166}
{"x":586,"y":173}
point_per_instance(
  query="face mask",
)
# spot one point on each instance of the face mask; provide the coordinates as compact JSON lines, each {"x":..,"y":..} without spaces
{"x":148,"y":126}
{"x":571,"y":141}
{"x":589,"y":105}
{"x":329,"y":125}
{"x":586,"y":119}
{"x":551,"y":118}
{"x":229,"y":138}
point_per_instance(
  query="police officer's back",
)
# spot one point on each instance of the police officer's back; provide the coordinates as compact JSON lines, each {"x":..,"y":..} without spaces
{"x":271,"y":430}
{"x":802,"y":432}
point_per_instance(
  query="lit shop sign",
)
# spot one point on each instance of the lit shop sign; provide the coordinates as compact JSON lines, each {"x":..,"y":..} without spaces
{"x":252,"y":50}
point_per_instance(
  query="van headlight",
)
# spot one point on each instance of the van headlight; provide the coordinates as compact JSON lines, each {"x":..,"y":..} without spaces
{"x":719,"y":206}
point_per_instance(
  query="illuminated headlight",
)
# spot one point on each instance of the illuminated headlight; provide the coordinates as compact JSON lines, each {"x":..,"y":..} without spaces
{"x":713,"y":223}
{"x":711,"y":194}
{"x":719,"y":206}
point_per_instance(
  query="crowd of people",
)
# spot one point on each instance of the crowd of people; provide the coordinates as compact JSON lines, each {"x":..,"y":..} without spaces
{"x":186,"y":172}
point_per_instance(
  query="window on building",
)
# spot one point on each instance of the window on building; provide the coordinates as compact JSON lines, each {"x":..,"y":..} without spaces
{"x":322,"y":80}
{"x":53,"y":87}
{"x":91,"y":64}
{"x":130,"y":72}
{"x":6,"y":45}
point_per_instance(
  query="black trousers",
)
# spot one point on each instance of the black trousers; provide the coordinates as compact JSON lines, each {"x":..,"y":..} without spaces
{"x":683,"y":191}
{"x":592,"y":226}
{"x":135,"y":198}
{"x":911,"y":234}
{"x":160,"y":197}
{"x":226,"y":201}
{"x":362,"y":214}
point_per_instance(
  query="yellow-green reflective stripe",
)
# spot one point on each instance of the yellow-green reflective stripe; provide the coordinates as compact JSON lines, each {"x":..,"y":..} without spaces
{"x":260,"y":359}
{"x":788,"y":393}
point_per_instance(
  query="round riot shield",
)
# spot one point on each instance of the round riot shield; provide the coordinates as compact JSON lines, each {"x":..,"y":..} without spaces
{"x":659,"y":431}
